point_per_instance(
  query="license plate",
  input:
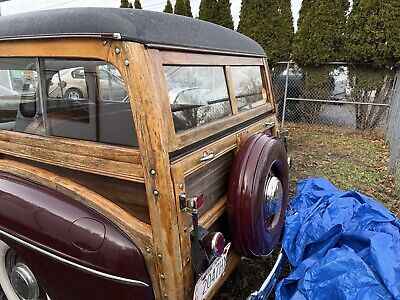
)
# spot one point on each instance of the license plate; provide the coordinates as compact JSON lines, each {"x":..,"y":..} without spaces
{"x":210,"y":277}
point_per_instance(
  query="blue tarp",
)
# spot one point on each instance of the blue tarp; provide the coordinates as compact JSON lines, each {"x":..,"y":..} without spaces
{"x":342,"y":245}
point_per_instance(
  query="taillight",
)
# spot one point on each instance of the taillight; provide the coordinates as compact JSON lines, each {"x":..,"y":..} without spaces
{"x":214,"y":243}
{"x":195,"y":202}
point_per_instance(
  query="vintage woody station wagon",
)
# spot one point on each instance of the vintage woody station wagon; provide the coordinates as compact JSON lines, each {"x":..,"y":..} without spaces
{"x":139,"y":156}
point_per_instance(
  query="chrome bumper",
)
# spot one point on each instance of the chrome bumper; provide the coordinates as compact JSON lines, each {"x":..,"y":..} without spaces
{"x":269,"y":283}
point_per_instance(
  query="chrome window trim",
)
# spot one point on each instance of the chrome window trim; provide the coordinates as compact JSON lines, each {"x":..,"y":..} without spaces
{"x":75,"y":265}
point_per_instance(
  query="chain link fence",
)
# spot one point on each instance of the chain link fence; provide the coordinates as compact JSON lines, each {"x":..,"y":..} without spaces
{"x":334,"y":94}
{"x":357,"y":97}
{"x":393,"y":130}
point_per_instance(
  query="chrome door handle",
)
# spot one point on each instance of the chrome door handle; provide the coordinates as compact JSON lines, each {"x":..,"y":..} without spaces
{"x":207,"y":156}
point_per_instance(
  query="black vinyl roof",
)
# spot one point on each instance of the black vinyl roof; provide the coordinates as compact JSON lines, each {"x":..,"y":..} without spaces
{"x":147,"y":27}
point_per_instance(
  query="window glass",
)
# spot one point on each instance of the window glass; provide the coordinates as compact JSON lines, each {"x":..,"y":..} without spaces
{"x":87,"y":100}
{"x":198,"y":95}
{"x":248,"y":87}
{"x":19,"y":100}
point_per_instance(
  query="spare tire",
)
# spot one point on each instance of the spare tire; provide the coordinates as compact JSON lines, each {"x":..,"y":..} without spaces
{"x":258,"y":194}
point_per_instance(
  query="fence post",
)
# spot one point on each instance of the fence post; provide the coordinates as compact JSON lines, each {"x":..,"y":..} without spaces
{"x":285,"y":96}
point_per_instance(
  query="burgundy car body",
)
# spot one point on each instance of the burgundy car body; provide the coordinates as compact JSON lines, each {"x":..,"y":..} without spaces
{"x":42,"y":218}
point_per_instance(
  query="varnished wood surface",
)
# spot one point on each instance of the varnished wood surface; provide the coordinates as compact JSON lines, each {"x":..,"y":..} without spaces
{"x":196,"y":134}
{"x":192,"y":160}
{"x":183,"y":219}
{"x":167,"y":274}
{"x":91,"y":157}
{"x":187,"y":58}
{"x":211,"y":181}
{"x":231,"y":89}
{"x":63,"y":47}
{"x":166,"y":242}
{"x":130,"y":196}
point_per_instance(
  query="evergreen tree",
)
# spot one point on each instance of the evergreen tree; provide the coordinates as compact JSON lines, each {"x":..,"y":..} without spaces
{"x":188,"y":9}
{"x":373,"y":32}
{"x":216,"y":11}
{"x":373,"y":37}
{"x":168,"y":7}
{"x":224,"y":10}
{"x":270,"y":23}
{"x":320,"y":35}
{"x":124,"y":4}
{"x":180,"y":8}
{"x":137,"y":4}
{"x":206,"y":12}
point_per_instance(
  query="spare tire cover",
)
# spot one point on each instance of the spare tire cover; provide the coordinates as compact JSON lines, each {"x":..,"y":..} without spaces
{"x":256,"y":219}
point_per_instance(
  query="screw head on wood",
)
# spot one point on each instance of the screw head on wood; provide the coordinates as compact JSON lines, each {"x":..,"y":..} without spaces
{"x":159,"y":256}
{"x":117,"y":50}
{"x":148,"y":250}
{"x":162,"y":276}
{"x":165,"y":296}
{"x":155,"y":193}
{"x":104,"y":42}
{"x":153,"y":172}
{"x":126,"y":62}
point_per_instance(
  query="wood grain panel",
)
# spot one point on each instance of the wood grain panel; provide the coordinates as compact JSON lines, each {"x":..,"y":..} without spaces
{"x":187,"y":58}
{"x":211,"y":181}
{"x":95,"y":158}
{"x":196,"y":134}
{"x":147,"y":114}
{"x":63,"y":47}
{"x":130,"y":196}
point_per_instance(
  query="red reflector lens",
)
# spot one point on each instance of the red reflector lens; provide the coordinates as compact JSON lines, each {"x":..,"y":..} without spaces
{"x":214,"y":243}
{"x":199,"y":201}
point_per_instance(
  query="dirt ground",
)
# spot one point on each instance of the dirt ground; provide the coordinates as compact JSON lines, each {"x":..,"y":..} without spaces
{"x":349,"y":159}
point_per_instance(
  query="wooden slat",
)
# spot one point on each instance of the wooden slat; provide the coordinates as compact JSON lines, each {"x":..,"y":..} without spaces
{"x":187,"y":58}
{"x":268,"y":85}
{"x":168,"y":280}
{"x":191,"y":162}
{"x":183,"y":219}
{"x":78,"y":155}
{"x":63,"y":47}
{"x":162,"y":96}
{"x":213,"y":214}
{"x":196,"y":134}
{"x":231,"y":90}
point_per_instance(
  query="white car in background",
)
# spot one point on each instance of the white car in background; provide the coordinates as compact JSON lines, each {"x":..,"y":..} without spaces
{"x":71,"y":84}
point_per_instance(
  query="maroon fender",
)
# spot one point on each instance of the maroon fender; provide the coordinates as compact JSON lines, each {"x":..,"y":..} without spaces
{"x":74,"y":252}
{"x":260,"y":158}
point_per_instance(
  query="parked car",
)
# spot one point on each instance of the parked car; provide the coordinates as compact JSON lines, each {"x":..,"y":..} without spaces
{"x":121,"y":190}
{"x":71,"y":83}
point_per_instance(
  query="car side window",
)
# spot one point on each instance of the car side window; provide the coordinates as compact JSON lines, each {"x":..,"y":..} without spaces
{"x":19,"y":97}
{"x":87,"y":100}
{"x":248,"y":87}
{"x":197,"y":95}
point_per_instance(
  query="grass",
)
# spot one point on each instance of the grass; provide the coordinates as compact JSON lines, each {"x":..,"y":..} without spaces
{"x":350,"y":159}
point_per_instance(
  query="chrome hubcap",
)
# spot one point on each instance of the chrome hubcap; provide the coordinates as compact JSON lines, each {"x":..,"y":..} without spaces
{"x":24,"y":282}
{"x":273,"y":201}
{"x":73,"y":95}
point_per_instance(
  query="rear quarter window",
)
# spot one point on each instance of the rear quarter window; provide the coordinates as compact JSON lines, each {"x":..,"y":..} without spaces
{"x":248,"y":86}
{"x":197,"y":95}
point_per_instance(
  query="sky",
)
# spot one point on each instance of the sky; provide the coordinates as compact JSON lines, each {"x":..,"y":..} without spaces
{"x":19,"y":6}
